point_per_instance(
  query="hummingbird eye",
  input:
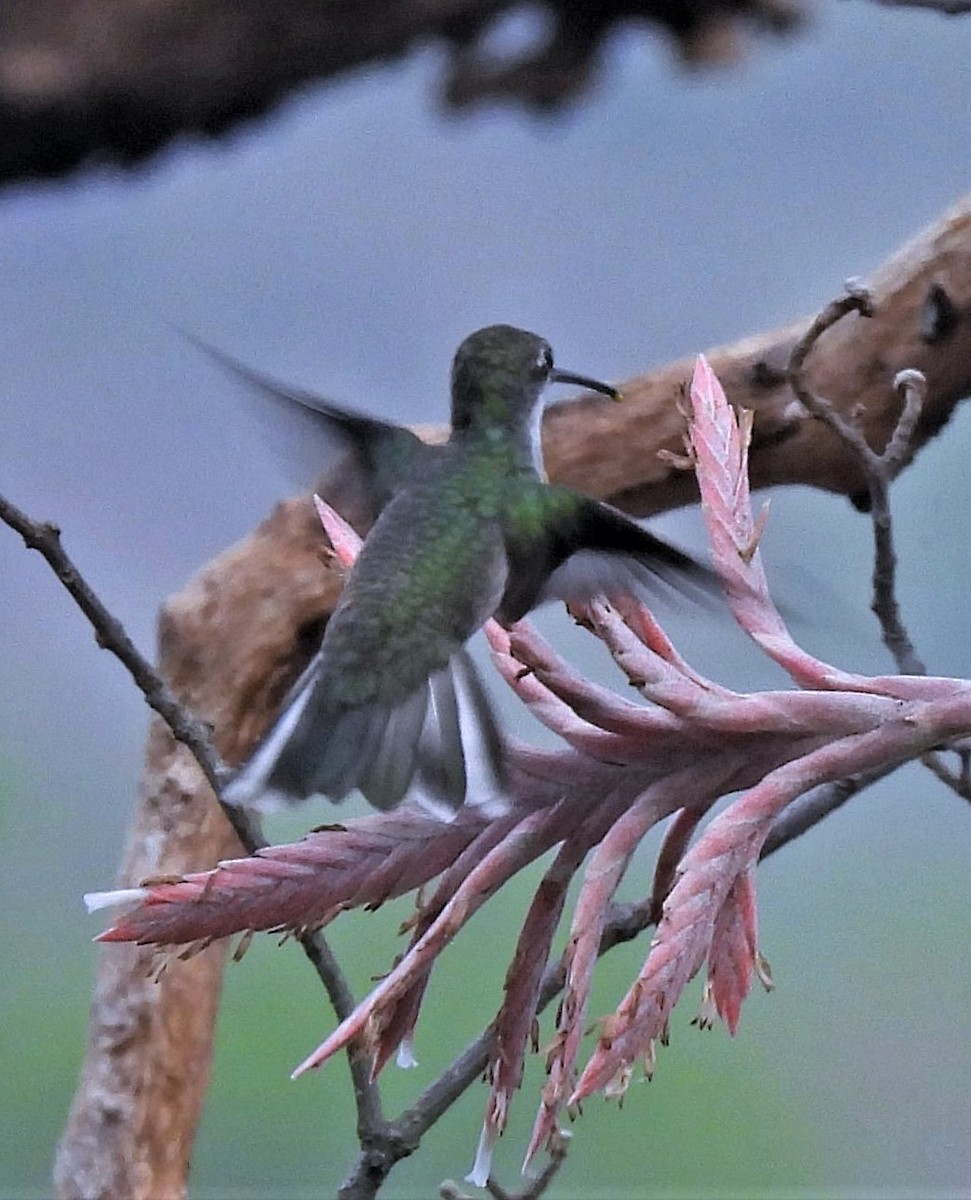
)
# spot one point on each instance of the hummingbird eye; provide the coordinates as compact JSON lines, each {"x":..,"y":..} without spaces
{"x":544,"y":364}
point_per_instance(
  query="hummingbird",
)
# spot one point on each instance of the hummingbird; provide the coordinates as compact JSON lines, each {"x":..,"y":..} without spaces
{"x":464,"y":531}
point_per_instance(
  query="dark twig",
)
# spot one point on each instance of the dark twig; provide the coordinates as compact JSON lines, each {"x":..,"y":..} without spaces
{"x":367,"y":1096}
{"x":879,"y":475}
{"x":533,"y":1189}
{"x":911,"y":386}
{"x":558,"y":1146}
{"x":958,"y":781}
{"x":110,"y":635}
{"x":814,"y":806}
{"x":879,"y":469}
{"x":855,"y":299}
{"x":196,"y":735}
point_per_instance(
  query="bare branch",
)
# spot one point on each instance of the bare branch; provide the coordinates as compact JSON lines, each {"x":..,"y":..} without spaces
{"x":958,"y":781}
{"x":879,"y":468}
{"x":858,"y":299}
{"x":912,"y":386}
{"x":557,"y":1150}
{"x":815,"y":806}
{"x":45,"y":538}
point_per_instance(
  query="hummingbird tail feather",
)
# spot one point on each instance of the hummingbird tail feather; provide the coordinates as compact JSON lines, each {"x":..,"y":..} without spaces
{"x":310,"y":748}
{"x":483,"y":742}
{"x":438,"y":745}
{"x":251,"y":786}
{"x":443,"y":753}
{"x":388,"y":771}
{"x":462,"y":750}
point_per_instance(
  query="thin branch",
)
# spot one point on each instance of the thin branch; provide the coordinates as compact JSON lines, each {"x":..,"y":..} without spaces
{"x":557,"y":1148}
{"x":815,"y":806}
{"x":856,"y":298}
{"x":45,"y":538}
{"x":878,"y":469}
{"x":912,"y":387}
{"x":367,"y":1095}
{"x":958,"y":781}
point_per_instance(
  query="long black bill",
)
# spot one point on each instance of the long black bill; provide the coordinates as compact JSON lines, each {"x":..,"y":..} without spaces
{"x":584,"y":381}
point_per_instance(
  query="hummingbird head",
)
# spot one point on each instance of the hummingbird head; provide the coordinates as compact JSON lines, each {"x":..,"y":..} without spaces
{"x":499,"y":374}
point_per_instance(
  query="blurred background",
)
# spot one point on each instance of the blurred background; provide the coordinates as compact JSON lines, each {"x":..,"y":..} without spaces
{"x":346,"y":243}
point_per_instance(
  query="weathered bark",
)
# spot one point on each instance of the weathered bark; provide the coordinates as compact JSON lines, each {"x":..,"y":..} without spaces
{"x":147,"y":1068}
{"x":922,"y":298}
{"x":145,"y":1075}
{"x":236,"y":637}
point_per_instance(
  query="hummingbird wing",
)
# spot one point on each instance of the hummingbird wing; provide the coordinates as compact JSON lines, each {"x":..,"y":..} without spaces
{"x":581,"y":547}
{"x":307,"y":430}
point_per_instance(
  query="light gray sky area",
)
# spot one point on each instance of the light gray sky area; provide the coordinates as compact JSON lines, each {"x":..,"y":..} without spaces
{"x":346,"y":244}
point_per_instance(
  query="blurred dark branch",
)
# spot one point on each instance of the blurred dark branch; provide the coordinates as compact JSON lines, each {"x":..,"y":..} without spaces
{"x":108,"y":80}
{"x":94,"y":81}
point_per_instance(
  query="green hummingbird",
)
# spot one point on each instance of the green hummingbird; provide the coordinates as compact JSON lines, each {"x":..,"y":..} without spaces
{"x":391,"y":703}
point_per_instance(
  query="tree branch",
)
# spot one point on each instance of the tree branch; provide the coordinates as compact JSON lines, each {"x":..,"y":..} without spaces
{"x":110,"y":635}
{"x":879,"y":467}
{"x":879,"y":470}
